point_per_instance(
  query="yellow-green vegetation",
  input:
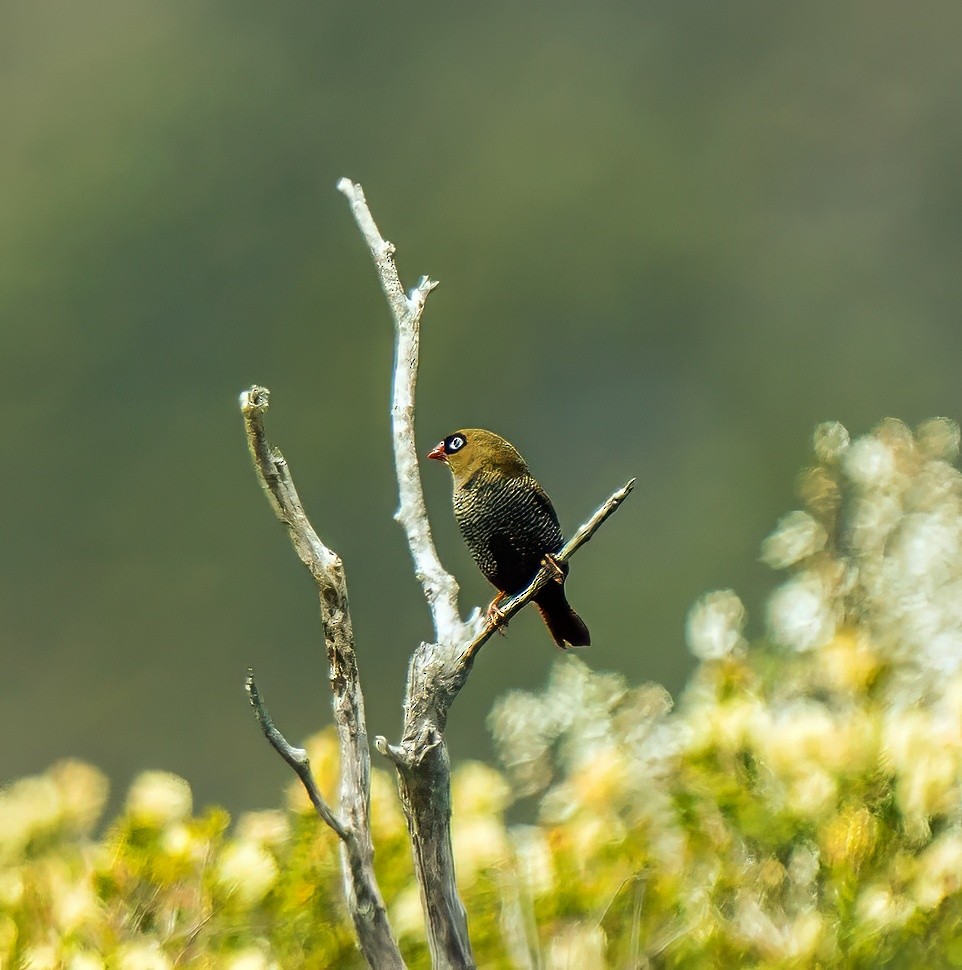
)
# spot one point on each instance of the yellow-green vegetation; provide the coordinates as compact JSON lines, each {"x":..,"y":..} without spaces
{"x":800,"y":807}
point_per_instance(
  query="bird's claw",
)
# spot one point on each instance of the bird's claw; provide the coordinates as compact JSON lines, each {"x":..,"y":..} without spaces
{"x":495,"y":617}
{"x":551,"y":564}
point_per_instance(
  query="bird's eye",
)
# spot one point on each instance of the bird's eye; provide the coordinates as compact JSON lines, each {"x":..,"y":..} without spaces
{"x":454,"y":443}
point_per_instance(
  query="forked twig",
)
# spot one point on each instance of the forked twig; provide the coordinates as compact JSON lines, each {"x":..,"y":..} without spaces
{"x":352,"y":824}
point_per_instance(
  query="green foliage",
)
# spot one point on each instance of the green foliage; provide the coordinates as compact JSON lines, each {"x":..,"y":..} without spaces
{"x":802,"y":805}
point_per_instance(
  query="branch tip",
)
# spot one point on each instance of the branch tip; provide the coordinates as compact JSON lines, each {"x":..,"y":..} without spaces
{"x":250,"y":685}
{"x":425,"y":285}
{"x":392,"y":752}
{"x":260,"y":709}
{"x":255,"y":400}
{"x":349,"y":188}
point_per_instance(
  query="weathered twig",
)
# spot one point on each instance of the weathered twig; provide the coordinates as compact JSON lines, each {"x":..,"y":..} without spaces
{"x":296,"y":758}
{"x":424,"y":771}
{"x":437,"y":671}
{"x":440,"y":587}
{"x":353,"y":826}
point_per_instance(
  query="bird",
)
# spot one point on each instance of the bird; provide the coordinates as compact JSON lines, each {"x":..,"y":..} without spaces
{"x":510,"y":526}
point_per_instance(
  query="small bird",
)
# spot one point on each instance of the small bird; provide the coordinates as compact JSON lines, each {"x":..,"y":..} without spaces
{"x":509,"y":525}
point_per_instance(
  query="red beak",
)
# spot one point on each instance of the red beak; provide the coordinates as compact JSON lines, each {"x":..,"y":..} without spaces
{"x":437,"y":452}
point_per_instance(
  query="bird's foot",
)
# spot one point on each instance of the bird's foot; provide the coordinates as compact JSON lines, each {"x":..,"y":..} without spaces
{"x":551,"y":564}
{"x":495,"y":617}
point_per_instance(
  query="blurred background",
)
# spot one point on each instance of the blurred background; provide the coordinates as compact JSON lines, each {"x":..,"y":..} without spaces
{"x":671,"y":238}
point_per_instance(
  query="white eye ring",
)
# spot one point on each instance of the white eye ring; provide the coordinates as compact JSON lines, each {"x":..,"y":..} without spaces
{"x":456,"y":443}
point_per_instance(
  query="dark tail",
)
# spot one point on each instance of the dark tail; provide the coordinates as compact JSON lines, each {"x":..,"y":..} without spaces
{"x":564,"y":625}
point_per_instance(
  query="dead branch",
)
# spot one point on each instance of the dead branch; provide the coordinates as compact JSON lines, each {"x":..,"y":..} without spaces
{"x":440,"y":587}
{"x":437,"y":671}
{"x":353,"y":827}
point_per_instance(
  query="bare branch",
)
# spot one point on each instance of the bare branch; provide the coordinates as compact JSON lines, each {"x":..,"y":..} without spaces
{"x":440,"y":587}
{"x":437,"y":671}
{"x":424,"y":771}
{"x":364,"y":898}
{"x":295,"y":757}
{"x":275,"y":479}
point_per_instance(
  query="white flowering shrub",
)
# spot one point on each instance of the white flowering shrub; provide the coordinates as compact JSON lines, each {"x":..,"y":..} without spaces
{"x":800,"y":806}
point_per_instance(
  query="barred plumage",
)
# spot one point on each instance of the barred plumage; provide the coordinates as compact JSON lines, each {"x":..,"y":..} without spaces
{"x":508,"y":524}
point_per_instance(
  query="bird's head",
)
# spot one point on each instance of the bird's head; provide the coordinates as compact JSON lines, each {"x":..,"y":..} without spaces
{"x":474,"y":449}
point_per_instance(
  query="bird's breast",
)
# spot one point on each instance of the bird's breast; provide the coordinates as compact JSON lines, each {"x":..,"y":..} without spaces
{"x":508,"y":525}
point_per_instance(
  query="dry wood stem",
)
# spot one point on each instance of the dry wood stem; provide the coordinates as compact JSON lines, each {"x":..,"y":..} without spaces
{"x":440,"y":587}
{"x":436,"y":673}
{"x":352,"y":825}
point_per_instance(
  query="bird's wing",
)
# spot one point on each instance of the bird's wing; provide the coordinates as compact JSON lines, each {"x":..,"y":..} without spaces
{"x":541,"y":501}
